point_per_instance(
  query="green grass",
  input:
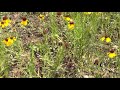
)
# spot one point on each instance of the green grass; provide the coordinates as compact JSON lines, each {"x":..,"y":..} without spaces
{"x":59,"y":52}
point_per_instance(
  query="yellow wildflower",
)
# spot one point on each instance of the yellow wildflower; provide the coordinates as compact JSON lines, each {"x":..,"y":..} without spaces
{"x":3,"y":24}
{"x":67,"y":18}
{"x":9,"y":41}
{"x":41,"y":17}
{"x":12,"y":38}
{"x":71,"y":25}
{"x":102,"y":39}
{"x":107,"y":39}
{"x":112,"y":54}
{"x":6,"y":20}
{"x":24,"y":22}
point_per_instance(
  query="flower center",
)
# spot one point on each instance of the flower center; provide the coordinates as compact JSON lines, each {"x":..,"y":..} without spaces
{"x":71,"y":22}
{"x":106,"y":36}
{"x":112,"y":51}
{"x":41,"y":16}
{"x":5,"y":18}
{"x":2,"y":22}
{"x":24,"y":19}
{"x":6,"y":40}
{"x":11,"y":37}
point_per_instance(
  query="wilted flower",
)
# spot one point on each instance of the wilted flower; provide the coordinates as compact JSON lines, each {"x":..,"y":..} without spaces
{"x":41,"y":17}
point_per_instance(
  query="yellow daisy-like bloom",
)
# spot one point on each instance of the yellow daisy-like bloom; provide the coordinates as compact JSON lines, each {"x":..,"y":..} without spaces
{"x":3,"y":24}
{"x":8,"y":42}
{"x":67,"y":18}
{"x":6,"y":20}
{"x":24,"y":22}
{"x":107,"y":39}
{"x":87,"y":13}
{"x":71,"y":26}
{"x":102,"y":39}
{"x":6,"y":24}
{"x":12,"y":38}
{"x":111,"y":54}
{"x":41,"y":17}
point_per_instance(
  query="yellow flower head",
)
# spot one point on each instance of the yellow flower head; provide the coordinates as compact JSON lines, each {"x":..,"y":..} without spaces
{"x":41,"y":17}
{"x":2,"y":24}
{"x":112,"y":54}
{"x":107,"y":39}
{"x":6,"y":20}
{"x":12,"y":38}
{"x":102,"y":39}
{"x":24,"y":22}
{"x":9,"y":41}
{"x":71,"y":26}
{"x":67,"y":18}
{"x":87,"y":13}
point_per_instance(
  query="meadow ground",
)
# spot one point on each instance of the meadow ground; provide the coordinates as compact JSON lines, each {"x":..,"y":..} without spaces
{"x":60,"y":45}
